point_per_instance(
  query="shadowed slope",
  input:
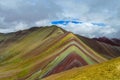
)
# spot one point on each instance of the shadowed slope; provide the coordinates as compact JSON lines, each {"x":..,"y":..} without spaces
{"x":114,"y":41}
{"x":104,"y":49}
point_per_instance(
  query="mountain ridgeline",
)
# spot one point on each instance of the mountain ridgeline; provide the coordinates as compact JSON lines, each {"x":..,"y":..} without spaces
{"x":39,"y":52}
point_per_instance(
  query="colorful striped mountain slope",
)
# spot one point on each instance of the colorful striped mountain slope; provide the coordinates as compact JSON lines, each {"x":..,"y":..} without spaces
{"x":40,"y":52}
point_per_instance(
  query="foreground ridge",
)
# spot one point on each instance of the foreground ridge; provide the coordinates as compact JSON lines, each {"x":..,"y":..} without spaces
{"x":109,"y":70}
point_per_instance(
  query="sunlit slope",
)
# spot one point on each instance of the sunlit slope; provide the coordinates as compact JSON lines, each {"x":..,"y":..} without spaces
{"x":11,"y":47}
{"x":22,"y":53}
{"x":40,"y":52}
{"x":104,"y":71}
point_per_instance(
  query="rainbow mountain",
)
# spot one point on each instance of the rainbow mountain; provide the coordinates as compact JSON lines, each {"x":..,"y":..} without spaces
{"x":39,"y":52}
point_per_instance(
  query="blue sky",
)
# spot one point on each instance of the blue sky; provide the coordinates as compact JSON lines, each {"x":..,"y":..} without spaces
{"x":66,"y":22}
{"x":91,"y":18}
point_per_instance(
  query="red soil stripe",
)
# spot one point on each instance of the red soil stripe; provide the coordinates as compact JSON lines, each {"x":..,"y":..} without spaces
{"x":71,"y":61}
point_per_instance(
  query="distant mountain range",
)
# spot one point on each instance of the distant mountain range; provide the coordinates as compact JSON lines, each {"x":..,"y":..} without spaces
{"x":113,"y":41}
{"x":40,"y":52}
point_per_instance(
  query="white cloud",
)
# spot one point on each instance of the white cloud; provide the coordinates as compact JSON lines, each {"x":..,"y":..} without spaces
{"x":73,"y":8}
{"x":90,"y":30}
{"x":20,"y":26}
{"x":10,"y":4}
{"x":28,"y":13}
{"x":42,"y":23}
{"x":6,"y":30}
